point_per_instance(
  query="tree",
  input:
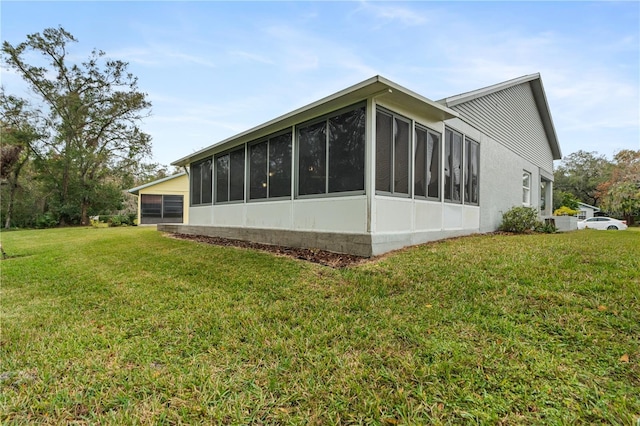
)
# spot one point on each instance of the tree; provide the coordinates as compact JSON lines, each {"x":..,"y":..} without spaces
{"x":580,"y":174}
{"x":621,"y":193}
{"x":564,"y":199}
{"x":92,"y":110}
{"x":18,"y":135}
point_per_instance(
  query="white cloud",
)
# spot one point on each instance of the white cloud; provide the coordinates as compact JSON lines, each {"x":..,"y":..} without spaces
{"x":164,"y":55}
{"x":384,"y":14}
{"x":253,"y":57}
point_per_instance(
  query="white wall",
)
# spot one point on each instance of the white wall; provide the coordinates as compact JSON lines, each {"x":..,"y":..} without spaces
{"x":400,"y":215}
{"x":330,"y":214}
{"x":201,"y":215}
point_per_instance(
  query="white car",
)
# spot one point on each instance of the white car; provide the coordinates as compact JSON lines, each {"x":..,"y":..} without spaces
{"x":602,"y":223}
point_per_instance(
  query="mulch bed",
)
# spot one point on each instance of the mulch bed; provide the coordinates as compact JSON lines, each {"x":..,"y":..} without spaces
{"x":323,"y":257}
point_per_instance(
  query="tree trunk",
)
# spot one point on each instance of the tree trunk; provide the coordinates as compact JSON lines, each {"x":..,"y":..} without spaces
{"x":12,"y":192}
{"x":630,"y":219}
{"x":84,"y":218}
{"x":13,"y":185}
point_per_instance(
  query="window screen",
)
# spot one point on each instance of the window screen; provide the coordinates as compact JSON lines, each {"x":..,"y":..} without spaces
{"x":384,"y":138}
{"x":393,"y":144}
{"x":201,"y":182}
{"x":236,"y":175}
{"x":453,"y":166}
{"x":270,"y":168}
{"x":280,"y":166}
{"x":471,"y":189}
{"x":230,"y":176}
{"x":312,"y":159}
{"x":331,"y":153}
{"x":346,"y":151}
{"x":427,"y":164}
{"x":222,"y":178}
{"x":258,"y":171}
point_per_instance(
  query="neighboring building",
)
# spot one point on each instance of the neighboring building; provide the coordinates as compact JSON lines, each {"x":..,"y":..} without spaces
{"x":377,"y":167}
{"x":164,"y":200}
{"x":586,"y":211}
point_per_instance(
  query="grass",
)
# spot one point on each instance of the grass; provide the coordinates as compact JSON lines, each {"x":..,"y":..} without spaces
{"x":127,"y":326}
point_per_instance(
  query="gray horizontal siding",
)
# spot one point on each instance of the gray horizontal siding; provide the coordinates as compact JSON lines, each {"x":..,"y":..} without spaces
{"x":511,"y":117}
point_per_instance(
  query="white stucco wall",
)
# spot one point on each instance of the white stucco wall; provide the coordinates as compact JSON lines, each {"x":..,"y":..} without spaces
{"x":330,"y":214}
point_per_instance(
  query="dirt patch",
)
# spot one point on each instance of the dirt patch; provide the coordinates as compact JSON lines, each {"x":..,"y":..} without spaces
{"x":323,"y":257}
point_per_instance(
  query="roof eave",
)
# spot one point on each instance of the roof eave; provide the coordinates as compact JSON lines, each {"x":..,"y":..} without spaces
{"x":371,"y":87}
{"x":137,"y":189}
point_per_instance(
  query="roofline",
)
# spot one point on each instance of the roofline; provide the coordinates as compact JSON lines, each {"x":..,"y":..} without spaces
{"x":155,"y":182}
{"x":390,"y":86}
{"x":538,"y":93}
{"x":589,"y":205}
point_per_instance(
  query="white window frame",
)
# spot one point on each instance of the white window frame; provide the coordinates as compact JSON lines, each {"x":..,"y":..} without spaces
{"x":526,"y":189}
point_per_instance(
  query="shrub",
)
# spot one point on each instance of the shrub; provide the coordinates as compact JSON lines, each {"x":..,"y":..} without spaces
{"x":547,"y":227}
{"x":519,"y":220}
{"x":565,"y":211}
{"x":46,"y":220}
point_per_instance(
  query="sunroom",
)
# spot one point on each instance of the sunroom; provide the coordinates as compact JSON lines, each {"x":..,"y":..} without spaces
{"x":369,"y":169}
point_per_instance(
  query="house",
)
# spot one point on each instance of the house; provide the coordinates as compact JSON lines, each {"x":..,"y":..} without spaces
{"x":164,"y":200}
{"x":376,"y":167}
{"x":586,"y":211}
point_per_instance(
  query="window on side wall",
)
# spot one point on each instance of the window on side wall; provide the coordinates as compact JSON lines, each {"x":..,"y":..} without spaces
{"x":427,"y":164}
{"x":230,"y":176}
{"x":472,"y":165}
{"x":453,"y":166}
{"x":393,"y":152}
{"x":331,"y":153}
{"x":526,"y":188}
{"x":201,"y":182}
{"x":544,"y":185}
{"x":270,"y":168}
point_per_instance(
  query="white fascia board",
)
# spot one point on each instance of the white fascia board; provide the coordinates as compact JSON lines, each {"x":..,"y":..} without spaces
{"x":474,"y":94}
{"x":155,"y":182}
{"x":359,"y":92}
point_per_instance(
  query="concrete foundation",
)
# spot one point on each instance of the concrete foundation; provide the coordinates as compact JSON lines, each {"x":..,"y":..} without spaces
{"x":357,"y":244}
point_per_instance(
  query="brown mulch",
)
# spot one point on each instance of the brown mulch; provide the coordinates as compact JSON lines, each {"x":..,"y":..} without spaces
{"x":323,"y":257}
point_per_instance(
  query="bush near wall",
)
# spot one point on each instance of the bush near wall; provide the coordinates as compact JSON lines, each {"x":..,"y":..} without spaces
{"x":565,"y":211}
{"x":519,"y":220}
{"x":115,"y":220}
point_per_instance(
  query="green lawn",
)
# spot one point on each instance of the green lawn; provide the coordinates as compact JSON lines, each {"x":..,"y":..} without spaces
{"x":127,"y":326}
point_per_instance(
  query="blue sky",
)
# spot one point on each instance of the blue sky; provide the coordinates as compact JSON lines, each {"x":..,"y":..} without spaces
{"x":214,"y":69}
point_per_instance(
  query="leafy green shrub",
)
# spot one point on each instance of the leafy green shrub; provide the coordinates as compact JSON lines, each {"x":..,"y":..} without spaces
{"x":547,"y":227}
{"x":120,"y":220}
{"x":46,"y":220}
{"x":565,"y":211}
{"x":519,"y":220}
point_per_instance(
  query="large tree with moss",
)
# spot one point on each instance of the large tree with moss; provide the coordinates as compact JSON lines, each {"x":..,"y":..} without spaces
{"x":92,"y":111}
{"x":19,"y":135}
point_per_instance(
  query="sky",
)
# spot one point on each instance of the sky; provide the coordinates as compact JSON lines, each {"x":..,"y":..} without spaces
{"x":215,"y":69}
